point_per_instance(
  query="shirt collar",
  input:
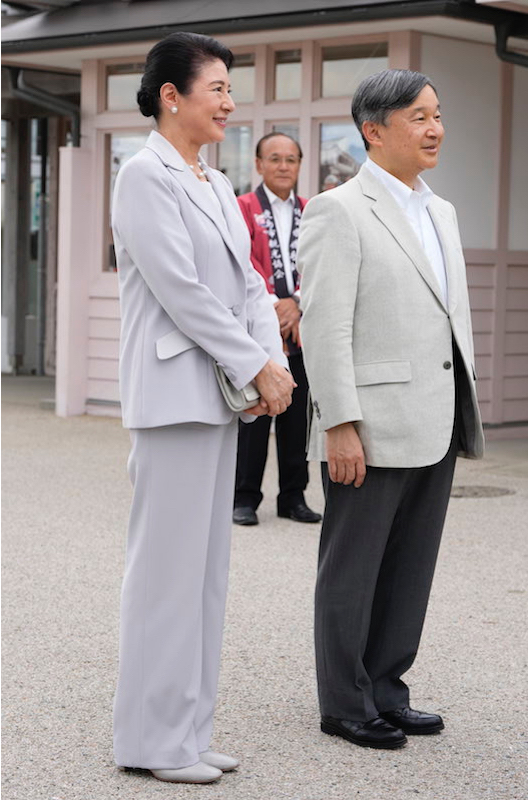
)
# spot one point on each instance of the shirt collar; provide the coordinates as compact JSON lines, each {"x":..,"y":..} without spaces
{"x":273,"y":198}
{"x":402,"y":193}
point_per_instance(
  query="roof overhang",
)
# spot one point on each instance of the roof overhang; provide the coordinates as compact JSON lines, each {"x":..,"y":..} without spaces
{"x":120,"y":24}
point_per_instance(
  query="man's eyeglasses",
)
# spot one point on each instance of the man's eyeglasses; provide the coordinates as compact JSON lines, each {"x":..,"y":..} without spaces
{"x":291,"y":161}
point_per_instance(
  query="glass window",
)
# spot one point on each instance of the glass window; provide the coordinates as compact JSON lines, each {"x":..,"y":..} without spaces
{"x":287,"y":74}
{"x":120,"y":147}
{"x":289,"y":128}
{"x":235,"y":157}
{"x":242,"y":78}
{"x":341,"y":153}
{"x":122,"y":84}
{"x":345,"y":66}
{"x":37,"y":128}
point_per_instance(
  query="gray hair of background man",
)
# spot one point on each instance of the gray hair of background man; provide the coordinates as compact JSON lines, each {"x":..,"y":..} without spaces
{"x":272,"y":136}
{"x":380,"y":94}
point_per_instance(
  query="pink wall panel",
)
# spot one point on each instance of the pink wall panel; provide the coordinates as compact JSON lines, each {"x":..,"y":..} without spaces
{"x":481,"y":274}
{"x":517,"y":299}
{"x":515,"y":410}
{"x":485,"y":412}
{"x":483,"y":367}
{"x":516,"y":321}
{"x":483,"y":343}
{"x":516,"y":343}
{"x":103,"y":348}
{"x":103,"y":329}
{"x":103,"y":390}
{"x":518,"y":276}
{"x":482,"y":299}
{"x":516,"y":365}
{"x":484,"y":389}
{"x":500,"y":325}
{"x":104,"y":307}
{"x":516,"y":389}
{"x":515,"y":385}
{"x":105,"y":368}
{"x":482,"y":321}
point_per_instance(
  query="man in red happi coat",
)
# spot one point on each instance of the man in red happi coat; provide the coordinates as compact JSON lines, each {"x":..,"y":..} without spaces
{"x":273,"y":213}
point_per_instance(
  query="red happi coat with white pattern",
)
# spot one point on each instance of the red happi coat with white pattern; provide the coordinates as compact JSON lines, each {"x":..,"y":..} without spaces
{"x":260,"y":251}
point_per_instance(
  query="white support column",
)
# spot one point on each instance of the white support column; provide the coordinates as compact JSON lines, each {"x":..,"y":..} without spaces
{"x":75,"y":219}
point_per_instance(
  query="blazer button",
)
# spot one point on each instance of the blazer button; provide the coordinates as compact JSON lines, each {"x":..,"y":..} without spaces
{"x":447,"y":365}
{"x":237,"y":310}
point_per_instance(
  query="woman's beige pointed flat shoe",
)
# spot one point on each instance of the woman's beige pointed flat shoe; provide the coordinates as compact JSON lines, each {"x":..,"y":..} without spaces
{"x":219,"y":760}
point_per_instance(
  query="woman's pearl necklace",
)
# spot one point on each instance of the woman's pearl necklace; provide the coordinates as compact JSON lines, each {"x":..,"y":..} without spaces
{"x":201,"y":173}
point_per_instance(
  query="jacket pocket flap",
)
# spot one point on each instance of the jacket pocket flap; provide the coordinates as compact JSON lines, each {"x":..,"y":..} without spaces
{"x":173,"y":343}
{"x":382,"y":372}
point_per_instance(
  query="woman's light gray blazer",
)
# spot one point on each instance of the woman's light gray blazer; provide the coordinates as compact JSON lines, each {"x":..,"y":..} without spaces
{"x":188,"y":292}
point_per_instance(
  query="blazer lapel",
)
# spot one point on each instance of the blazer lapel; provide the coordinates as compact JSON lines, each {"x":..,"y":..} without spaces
{"x":192,"y":187}
{"x":390,"y":214}
{"x":444,"y":229}
{"x":234,"y":228}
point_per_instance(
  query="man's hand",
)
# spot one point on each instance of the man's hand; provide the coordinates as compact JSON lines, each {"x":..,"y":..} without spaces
{"x":346,"y":460}
{"x":289,"y":314}
{"x":275,"y":385}
{"x":296,"y":334}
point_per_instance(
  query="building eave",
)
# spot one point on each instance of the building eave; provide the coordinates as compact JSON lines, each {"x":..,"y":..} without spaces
{"x":84,"y":25}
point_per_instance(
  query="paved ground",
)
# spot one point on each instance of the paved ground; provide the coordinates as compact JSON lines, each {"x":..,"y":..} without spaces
{"x":65,"y":503}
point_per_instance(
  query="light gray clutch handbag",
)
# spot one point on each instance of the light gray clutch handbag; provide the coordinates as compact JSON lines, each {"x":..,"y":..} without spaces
{"x":237,"y":399}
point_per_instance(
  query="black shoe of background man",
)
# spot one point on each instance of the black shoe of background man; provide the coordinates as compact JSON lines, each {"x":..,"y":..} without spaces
{"x":375,"y":733}
{"x":414,"y":723}
{"x":245,"y":515}
{"x":298,"y":511}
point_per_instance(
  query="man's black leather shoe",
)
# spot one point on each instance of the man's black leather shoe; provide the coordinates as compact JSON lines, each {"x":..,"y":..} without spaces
{"x":415,"y":723}
{"x":299,"y":512}
{"x":245,"y":515}
{"x":374,"y":733}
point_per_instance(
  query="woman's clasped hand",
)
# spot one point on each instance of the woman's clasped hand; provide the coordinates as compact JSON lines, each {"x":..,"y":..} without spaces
{"x":275,"y":385}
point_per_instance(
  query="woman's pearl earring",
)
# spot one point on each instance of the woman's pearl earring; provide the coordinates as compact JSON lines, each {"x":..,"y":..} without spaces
{"x":174,"y":109}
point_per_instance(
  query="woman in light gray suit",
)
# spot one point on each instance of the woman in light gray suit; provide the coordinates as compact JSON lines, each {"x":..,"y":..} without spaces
{"x":189,"y":297}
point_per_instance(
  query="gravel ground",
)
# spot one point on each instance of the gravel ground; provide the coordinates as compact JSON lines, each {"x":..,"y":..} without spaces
{"x":65,"y":504}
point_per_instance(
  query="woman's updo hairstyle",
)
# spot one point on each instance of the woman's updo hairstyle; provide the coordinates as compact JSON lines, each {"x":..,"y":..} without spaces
{"x":177,"y":59}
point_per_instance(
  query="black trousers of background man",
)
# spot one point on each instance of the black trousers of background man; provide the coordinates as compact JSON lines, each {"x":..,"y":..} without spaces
{"x":290,"y":432}
{"x":377,"y":556}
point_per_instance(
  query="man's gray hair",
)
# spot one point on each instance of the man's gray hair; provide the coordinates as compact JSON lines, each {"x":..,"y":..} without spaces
{"x":380,"y":94}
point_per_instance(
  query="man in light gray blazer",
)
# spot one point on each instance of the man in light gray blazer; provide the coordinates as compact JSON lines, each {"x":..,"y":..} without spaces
{"x":387,"y":339}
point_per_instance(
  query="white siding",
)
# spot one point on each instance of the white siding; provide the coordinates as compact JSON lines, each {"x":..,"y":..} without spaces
{"x":103,"y":349}
{"x":515,"y":386}
{"x":481,"y":280}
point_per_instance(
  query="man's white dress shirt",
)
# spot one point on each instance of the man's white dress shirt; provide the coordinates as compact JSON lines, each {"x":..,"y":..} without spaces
{"x":413,"y":203}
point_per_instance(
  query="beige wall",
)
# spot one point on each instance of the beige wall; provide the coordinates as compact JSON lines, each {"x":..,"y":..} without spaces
{"x":518,"y":234}
{"x":467,"y":76}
